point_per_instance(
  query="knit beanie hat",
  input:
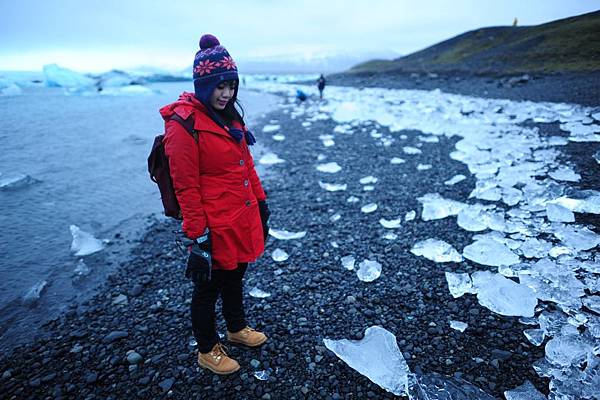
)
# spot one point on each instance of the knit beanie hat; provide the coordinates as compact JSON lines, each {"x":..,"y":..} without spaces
{"x":212,"y":65}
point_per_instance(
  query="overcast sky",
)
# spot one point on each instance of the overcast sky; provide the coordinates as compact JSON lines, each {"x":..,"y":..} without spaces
{"x":92,"y":35}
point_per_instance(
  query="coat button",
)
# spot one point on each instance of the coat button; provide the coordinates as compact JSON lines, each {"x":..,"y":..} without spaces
{"x":245,"y":182}
{"x":241,"y":162}
{"x":248,"y":202}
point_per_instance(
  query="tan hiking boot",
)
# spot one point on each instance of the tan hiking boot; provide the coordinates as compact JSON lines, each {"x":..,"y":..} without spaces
{"x":218,"y":361}
{"x":248,"y":337}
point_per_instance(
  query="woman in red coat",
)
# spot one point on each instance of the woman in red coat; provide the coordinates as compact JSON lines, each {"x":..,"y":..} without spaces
{"x":221,"y":198}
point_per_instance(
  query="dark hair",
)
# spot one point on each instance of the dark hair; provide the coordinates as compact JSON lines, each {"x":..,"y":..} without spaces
{"x":231,"y":113}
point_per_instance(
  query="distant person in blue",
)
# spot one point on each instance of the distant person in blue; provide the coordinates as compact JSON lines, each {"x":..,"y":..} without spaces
{"x":300,"y":95}
{"x":321,"y":85}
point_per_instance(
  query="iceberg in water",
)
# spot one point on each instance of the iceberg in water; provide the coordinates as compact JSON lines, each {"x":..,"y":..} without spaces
{"x":436,"y":250}
{"x":84,"y":243}
{"x":56,"y":76}
{"x":368,"y":270}
{"x":270,"y":159}
{"x":376,"y":356}
{"x":282,"y":234}
{"x":8,"y":88}
{"x":34,"y":293}
{"x":16,"y":181}
{"x":503,"y":296}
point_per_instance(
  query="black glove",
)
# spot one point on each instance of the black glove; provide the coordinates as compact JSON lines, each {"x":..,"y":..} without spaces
{"x":263,"y":208}
{"x":200,"y":261}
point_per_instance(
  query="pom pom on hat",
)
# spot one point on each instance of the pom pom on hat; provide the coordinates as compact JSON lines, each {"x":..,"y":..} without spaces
{"x":207,"y":41}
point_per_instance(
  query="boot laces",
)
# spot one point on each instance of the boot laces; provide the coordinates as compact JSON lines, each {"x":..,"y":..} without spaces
{"x":218,"y":352}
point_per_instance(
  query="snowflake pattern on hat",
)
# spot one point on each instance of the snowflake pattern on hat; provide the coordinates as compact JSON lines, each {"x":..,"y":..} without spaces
{"x":228,"y":63}
{"x":205,"y":67}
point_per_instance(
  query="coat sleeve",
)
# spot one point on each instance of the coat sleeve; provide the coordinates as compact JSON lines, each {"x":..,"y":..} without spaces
{"x":184,"y":160}
{"x":254,"y":180}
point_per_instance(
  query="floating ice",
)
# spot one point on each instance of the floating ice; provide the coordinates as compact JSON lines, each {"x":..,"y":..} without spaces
{"x":459,"y":284}
{"x":270,"y":159}
{"x":333,"y":187}
{"x":458,"y":325}
{"x":34,"y":293}
{"x":368,"y":270}
{"x":368,"y":208}
{"x":423,"y":167}
{"x":279,"y":255}
{"x":259,"y":294}
{"x":376,"y":356}
{"x":436,"y":250}
{"x":62,"y":77}
{"x":282,"y":234}
{"x":271,"y":128}
{"x":81,"y":269}
{"x":436,"y":207}
{"x":577,"y":238}
{"x":558,"y":213}
{"x":410,"y":215}
{"x":490,"y":252}
{"x":524,"y":392}
{"x":368,"y":179}
{"x":411,"y":150}
{"x":9,"y":88}
{"x":390,"y":223}
{"x":348,"y":262}
{"x":352,"y":199}
{"x":565,"y":174}
{"x":397,"y":160}
{"x":331,"y":167}
{"x":16,"y":181}
{"x":503,"y":296}
{"x":455,"y":179}
{"x":278,"y":137}
{"x":84,"y":243}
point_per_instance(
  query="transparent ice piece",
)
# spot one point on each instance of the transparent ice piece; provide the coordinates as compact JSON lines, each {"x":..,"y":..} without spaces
{"x":565,"y":174}
{"x":458,"y":325}
{"x":567,"y":350}
{"x":535,"y":248}
{"x":436,"y":250}
{"x":579,"y":238}
{"x":434,"y":386}
{"x":259,"y":294}
{"x":34,"y":293}
{"x":279,"y":255}
{"x":436,"y":207}
{"x":376,"y":356}
{"x":192,"y":342}
{"x":459,"y":284}
{"x":331,"y":167}
{"x":535,"y":336}
{"x":524,"y":392}
{"x":270,"y":159}
{"x":390,"y":223}
{"x":368,"y":270}
{"x":333,"y":187}
{"x":84,"y":243}
{"x":81,"y":269}
{"x":348,"y":262}
{"x":262,"y":375}
{"x":282,"y":234}
{"x":455,"y":179}
{"x":490,"y":252}
{"x":503,"y":296}
{"x":368,"y":208}
{"x":558,"y":213}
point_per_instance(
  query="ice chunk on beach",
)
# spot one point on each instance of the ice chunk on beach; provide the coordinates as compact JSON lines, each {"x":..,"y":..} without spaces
{"x":459,"y":284}
{"x":390,"y":223}
{"x":368,"y":188}
{"x":473,"y":217}
{"x":367,"y":180}
{"x":376,"y":356}
{"x":368,"y":270}
{"x":352,"y":199}
{"x":346,"y":112}
{"x":437,"y":207}
{"x":565,"y":174}
{"x":271,"y":128}
{"x":278,"y":137}
{"x":558,"y":213}
{"x":458,"y":325}
{"x":368,"y":208}
{"x":331,"y":167}
{"x":436,"y":250}
{"x":335,"y":217}
{"x":503,"y":296}
{"x":259,"y":294}
{"x":279,"y":255}
{"x":584,"y":201}
{"x":455,"y":179}
{"x":524,"y":392}
{"x":62,"y":77}
{"x":423,"y":167}
{"x":333,"y":187}
{"x":411,"y":150}
{"x":580,"y":238}
{"x":282,"y":234}
{"x":327,"y":140}
{"x":34,"y":293}
{"x":535,"y":336}
{"x":270,"y":159}
{"x":84,"y":243}
{"x":567,"y":350}
{"x":397,"y":160}
{"x":597,"y":156}
{"x":488,"y":251}
{"x":348,"y":262}
{"x":434,"y":386}
{"x":410,"y":215}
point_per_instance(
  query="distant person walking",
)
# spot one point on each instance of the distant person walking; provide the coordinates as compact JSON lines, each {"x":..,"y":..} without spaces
{"x":222,"y":201}
{"x":321,"y":85}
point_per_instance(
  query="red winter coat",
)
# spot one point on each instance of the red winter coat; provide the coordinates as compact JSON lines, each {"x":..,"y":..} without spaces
{"x":215,"y":184}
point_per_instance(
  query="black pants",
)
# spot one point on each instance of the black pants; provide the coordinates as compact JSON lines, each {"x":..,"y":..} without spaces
{"x":229,"y":285}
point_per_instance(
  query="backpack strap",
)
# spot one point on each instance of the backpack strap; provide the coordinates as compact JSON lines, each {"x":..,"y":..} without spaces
{"x":188,"y":125}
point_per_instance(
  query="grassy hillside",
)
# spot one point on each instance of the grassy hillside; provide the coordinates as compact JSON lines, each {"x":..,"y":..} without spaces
{"x":567,"y":45}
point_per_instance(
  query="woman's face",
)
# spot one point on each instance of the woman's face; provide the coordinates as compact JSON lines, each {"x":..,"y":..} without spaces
{"x":222,"y":95}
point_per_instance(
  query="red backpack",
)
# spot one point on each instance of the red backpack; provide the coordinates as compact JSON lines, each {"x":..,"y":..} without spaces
{"x":158,"y":167}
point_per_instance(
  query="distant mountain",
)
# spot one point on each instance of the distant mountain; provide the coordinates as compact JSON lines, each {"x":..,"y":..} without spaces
{"x":323,"y":62}
{"x":566,"y":45}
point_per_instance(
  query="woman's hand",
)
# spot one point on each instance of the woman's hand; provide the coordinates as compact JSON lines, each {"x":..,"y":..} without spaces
{"x":264,"y":217}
